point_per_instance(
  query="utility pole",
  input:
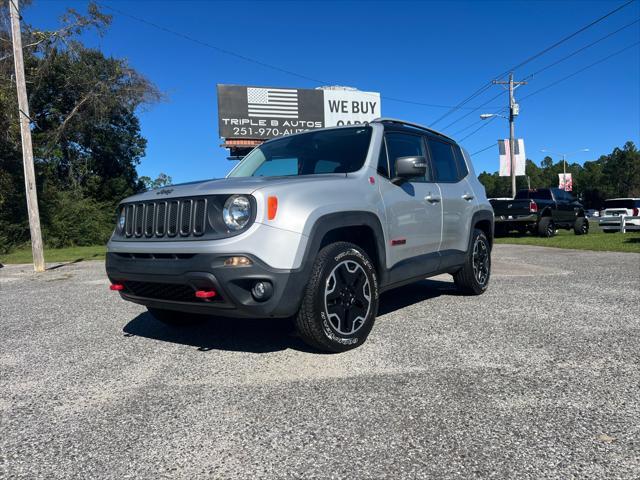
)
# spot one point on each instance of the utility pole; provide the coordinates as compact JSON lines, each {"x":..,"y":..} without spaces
{"x":27,"y":148}
{"x":514,"y":110}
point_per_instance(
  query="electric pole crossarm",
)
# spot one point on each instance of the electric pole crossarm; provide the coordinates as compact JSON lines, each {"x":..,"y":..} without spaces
{"x":25,"y":133}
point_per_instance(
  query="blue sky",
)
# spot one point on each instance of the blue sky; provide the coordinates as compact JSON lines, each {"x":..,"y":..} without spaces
{"x":430,"y":52}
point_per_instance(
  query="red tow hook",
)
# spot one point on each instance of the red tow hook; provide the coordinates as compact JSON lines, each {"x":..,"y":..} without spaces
{"x":116,"y":286}
{"x":205,"y":293}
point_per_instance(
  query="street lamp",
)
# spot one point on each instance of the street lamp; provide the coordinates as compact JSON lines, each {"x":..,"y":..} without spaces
{"x":564,"y":161}
{"x":485,"y":116}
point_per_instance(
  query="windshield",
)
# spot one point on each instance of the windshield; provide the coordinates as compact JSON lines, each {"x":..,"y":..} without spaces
{"x":629,"y":204}
{"x":341,"y":150}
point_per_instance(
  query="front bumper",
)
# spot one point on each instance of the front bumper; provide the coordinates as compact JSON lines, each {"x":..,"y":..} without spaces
{"x":165,"y":281}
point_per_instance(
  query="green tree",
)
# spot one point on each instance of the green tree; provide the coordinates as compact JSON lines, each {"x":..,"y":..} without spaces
{"x":162,"y":180}
{"x":613,"y":175}
{"x":86,"y":133}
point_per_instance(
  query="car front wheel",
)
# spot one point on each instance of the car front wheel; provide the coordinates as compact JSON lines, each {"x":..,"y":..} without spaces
{"x":340,"y":301}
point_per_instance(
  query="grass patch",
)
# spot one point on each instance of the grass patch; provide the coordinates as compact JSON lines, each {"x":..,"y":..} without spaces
{"x":53,"y":255}
{"x":595,"y":240}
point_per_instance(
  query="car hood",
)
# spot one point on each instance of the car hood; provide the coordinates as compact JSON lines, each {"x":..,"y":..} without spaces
{"x":245,"y":185}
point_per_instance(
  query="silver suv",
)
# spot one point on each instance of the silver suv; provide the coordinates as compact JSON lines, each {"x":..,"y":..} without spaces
{"x":312,"y":226}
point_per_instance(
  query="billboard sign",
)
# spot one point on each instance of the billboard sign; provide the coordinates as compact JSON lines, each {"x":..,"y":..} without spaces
{"x":265,"y":112}
{"x":505,"y":157}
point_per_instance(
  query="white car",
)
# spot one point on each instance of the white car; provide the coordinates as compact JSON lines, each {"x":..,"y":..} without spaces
{"x":615,"y":209}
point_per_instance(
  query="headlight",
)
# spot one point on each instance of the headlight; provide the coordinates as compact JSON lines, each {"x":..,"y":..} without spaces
{"x":236,"y":212}
{"x":121,"y":221}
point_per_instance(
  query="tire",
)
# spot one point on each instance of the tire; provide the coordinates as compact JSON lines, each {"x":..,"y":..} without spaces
{"x":546,"y":227}
{"x":333,"y":297}
{"x":473,"y":277}
{"x":175,"y":318}
{"x":581,"y":226}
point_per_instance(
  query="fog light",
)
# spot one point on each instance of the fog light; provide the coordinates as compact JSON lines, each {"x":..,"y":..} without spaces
{"x":118,"y":287}
{"x":237,"y":262}
{"x":262,"y":291}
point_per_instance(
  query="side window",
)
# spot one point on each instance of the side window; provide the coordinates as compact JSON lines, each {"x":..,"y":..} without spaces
{"x":443,"y":161}
{"x":383,"y":161}
{"x":463,"y":171}
{"x":558,"y":194}
{"x":404,"y":145}
{"x":326,"y":166}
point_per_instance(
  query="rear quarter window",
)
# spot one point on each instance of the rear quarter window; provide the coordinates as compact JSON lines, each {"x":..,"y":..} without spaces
{"x":463,"y":171}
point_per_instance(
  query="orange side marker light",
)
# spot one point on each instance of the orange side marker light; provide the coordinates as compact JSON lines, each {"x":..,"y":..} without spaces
{"x":272,"y":207}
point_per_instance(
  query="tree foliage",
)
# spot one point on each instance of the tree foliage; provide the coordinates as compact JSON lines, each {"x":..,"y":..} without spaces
{"x":86,"y":133}
{"x":613,"y":175}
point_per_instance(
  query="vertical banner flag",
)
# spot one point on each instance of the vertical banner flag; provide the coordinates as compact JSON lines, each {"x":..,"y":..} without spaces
{"x":505,"y":157}
{"x":565,"y":182}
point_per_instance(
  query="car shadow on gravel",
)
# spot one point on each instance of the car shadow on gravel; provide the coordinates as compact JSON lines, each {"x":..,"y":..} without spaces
{"x":413,"y":293}
{"x":268,"y":334}
{"x":220,"y":333}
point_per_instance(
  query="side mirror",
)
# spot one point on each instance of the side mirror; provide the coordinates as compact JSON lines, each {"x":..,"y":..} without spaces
{"x":409,"y":167}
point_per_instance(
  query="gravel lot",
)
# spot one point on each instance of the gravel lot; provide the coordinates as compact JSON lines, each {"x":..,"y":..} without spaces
{"x":538,"y":378}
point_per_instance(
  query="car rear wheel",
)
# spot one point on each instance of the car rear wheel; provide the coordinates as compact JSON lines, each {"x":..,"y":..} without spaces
{"x":581,"y":226}
{"x":174,"y":318}
{"x":546,"y":227}
{"x":473,"y":277}
{"x":340,"y":301}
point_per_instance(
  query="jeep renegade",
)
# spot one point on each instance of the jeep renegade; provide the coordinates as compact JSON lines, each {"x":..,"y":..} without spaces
{"x":312,"y":226}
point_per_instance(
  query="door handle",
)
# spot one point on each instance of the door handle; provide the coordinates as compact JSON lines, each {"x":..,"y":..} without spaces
{"x":467,"y":197}
{"x":431,"y":199}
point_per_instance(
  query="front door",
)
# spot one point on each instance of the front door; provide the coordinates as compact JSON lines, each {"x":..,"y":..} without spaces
{"x":413,"y":208}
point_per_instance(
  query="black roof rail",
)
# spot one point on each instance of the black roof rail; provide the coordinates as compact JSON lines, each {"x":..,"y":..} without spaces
{"x":411,"y":124}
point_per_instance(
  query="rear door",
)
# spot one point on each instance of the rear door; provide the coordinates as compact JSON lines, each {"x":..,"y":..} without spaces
{"x":414,"y":224}
{"x":458,"y":202}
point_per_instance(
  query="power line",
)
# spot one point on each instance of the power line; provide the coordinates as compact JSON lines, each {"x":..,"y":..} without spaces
{"x":568,"y":37}
{"x":487,"y":122}
{"x":473,"y":110}
{"x":214,"y":47}
{"x":580,"y":71}
{"x":530,"y":59}
{"x":483,"y":149}
{"x":556,"y":82}
{"x":540,"y":71}
{"x":254,"y":60}
{"x":581,"y":49}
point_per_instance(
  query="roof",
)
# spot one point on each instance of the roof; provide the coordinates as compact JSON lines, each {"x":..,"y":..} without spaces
{"x":411,"y":124}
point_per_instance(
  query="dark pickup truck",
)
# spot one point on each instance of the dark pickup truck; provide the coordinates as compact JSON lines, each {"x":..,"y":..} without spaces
{"x":539,"y":211}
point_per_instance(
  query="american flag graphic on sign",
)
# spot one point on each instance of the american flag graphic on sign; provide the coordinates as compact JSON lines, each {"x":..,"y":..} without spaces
{"x":272,"y":102}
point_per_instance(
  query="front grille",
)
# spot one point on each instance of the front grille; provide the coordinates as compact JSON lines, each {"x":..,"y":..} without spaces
{"x":172,"y":222}
{"x":175,"y":292}
{"x":185,"y":217}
